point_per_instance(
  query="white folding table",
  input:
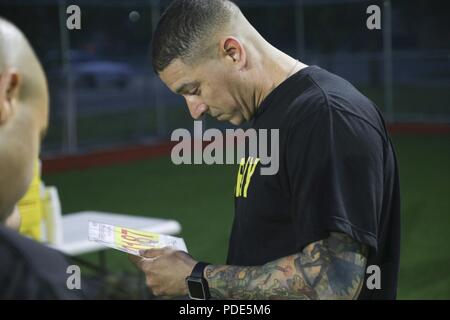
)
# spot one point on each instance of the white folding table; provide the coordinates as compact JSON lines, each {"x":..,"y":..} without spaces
{"x":69,"y":233}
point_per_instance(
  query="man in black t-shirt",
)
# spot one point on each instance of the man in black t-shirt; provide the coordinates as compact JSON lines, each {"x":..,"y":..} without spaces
{"x":326,"y":225}
{"x":337,"y":174}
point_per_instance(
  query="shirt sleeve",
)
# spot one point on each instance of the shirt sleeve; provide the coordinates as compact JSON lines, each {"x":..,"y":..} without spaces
{"x":335,"y":172}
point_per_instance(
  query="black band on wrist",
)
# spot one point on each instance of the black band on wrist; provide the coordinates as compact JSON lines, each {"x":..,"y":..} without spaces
{"x":197,"y":284}
{"x":197,"y":272}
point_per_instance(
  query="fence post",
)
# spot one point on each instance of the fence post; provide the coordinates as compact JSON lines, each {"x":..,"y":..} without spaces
{"x":70,"y":107}
{"x":387,"y":53}
{"x":300,"y":30}
{"x":161,"y":121}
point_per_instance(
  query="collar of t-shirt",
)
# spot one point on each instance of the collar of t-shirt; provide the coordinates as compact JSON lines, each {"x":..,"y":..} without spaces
{"x":277,"y":94}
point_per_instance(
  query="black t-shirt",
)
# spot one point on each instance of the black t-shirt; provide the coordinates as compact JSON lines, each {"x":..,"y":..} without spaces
{"x":337,"y":172}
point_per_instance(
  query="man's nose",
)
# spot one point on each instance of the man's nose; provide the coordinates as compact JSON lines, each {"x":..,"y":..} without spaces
{"x":196,"y":108}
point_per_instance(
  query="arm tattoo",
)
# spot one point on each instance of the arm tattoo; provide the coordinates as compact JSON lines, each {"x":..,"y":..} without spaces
{"x":332,"y":268}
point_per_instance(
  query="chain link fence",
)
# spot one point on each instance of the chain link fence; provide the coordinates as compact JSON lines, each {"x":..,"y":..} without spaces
{"x":104,"y":92}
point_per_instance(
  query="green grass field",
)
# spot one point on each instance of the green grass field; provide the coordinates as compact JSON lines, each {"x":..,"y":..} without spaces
{"x":201,"y":199}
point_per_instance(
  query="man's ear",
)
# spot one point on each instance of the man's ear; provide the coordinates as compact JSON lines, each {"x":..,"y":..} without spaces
{"x":234,"y":51}
{"x":9,"y":91}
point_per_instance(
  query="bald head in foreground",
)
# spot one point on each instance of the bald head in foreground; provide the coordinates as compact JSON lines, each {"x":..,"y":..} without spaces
{"x":28,"y":269}
{"x":23,"y":118}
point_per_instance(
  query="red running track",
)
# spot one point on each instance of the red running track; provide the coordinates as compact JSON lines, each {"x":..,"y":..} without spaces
{"x":141,"y":152}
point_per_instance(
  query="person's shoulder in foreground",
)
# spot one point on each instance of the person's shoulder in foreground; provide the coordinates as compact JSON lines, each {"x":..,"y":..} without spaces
{"x":30,"y":270}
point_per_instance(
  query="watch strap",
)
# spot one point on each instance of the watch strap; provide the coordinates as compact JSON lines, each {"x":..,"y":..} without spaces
{"x":197,"y":272}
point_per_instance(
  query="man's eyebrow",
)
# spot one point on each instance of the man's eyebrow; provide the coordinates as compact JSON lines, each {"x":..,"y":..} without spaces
{"x":186,"y":87}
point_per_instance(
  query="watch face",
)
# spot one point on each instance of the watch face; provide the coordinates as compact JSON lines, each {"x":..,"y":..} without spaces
{"x":196,"y":288}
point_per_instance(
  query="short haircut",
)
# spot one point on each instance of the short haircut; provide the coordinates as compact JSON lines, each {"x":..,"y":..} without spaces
{"x":186,"y":28}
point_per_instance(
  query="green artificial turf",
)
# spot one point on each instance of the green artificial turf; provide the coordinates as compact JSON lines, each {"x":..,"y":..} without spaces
{"x":425,"y":187}
{"x":201,"y":199}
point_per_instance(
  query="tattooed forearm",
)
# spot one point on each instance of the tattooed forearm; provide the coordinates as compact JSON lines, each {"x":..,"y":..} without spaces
{"x":328,"y":269}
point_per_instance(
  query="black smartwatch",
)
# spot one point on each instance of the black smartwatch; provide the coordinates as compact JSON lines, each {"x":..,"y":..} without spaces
{"x":197,"y":284}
